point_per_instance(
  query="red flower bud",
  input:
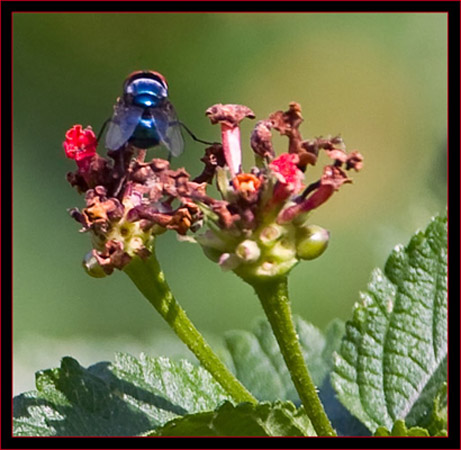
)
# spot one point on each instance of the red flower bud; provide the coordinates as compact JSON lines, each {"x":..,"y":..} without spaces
{"x":332,"y":179}
{"x":80,"y":143}
{"x":288,"y":175}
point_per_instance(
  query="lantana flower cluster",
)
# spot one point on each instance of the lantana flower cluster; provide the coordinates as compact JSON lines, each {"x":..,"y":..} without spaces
{"x":258,"y":227}
{"x":128,"y":201}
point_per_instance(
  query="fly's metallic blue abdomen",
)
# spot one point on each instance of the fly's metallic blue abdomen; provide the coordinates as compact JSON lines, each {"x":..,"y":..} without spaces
{"x":143,"y":116}
{"x":145,"y":134}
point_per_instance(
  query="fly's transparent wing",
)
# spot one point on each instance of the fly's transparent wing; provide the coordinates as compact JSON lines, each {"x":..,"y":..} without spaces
{"x":122,"y":125}
{"x":168,"y":128}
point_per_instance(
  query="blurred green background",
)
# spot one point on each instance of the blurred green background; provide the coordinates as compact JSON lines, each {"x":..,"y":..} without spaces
{"x":378,"y":79}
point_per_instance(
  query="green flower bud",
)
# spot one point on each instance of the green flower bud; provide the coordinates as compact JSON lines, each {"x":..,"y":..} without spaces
{"x":136,"y":244}
{"x":272,"y":269}
{"x":284,"y":250}
{"x":270,"y":234}
{"x":248,"y":251}
{"x":92,"y":267}
{"x":312,"y":241}
{"x":229,"y":261}
{"x":274,"y":256}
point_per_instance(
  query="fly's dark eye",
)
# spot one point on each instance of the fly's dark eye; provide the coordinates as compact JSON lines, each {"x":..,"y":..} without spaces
{"x":158,"y":77}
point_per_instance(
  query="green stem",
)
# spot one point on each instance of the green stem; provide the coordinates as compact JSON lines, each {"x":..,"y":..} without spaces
{"x":273,"y":295}
{"x":150,"y":280}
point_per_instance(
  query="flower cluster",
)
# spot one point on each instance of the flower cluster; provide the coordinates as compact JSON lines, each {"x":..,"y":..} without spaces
{"x":258,"y":228}
{"x":128,"y":202}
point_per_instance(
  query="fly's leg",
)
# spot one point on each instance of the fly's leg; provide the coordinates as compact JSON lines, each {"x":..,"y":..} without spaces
{"x":141,"y":156}
{"x":103,"y":127}
{"x":122,"y":163}
{"x":192,"y":135}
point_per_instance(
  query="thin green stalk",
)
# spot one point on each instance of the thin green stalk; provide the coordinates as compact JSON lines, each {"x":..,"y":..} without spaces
{"x":150,"y":280}
{"x":273,"y":295}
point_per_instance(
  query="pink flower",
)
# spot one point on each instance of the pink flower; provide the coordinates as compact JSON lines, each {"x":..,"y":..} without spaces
{"x":230,"y":116}
{"x":80,"y":143}
{"x":289,"y":177}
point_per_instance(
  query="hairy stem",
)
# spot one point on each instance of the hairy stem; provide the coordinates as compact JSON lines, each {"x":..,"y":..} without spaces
{"x":273,"y":295}
{"x":150,"y":280}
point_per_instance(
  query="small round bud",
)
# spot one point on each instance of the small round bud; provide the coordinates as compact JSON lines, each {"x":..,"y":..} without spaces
{"x":136,"y":244}
{"x":271,"y":268}
{"x":312,"y":241}
{"x":229,"y":261}
{"x":248,"y":251}
{"x":270,"y":234}
{"x":284,"y":249}
{"x":92,"y":266}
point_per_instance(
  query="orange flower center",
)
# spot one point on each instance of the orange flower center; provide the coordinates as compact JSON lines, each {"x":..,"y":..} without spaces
{"x":246,"y":183}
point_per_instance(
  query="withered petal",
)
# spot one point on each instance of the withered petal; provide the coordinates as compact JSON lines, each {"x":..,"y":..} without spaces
{"x":354,"y":161}
{"x":230,"y":115}
{"x":261,"y":139}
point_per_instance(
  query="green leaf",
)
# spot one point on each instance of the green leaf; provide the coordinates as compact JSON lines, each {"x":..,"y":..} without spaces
{"x":342,"y":420}
{"x":438,"y":424}
{"x":256,"y":359}
{"x":126,"y":398}
{"x":400,"y":429}
{"x":393,"y":358}
{"x":245,"y":419}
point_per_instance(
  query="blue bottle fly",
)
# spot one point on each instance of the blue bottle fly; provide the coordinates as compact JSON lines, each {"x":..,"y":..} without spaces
{"x":143,"y":115}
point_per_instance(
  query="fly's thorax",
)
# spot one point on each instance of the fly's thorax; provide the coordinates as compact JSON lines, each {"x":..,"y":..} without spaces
{"x":145,"y":92}
{"x":146,"y":100}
